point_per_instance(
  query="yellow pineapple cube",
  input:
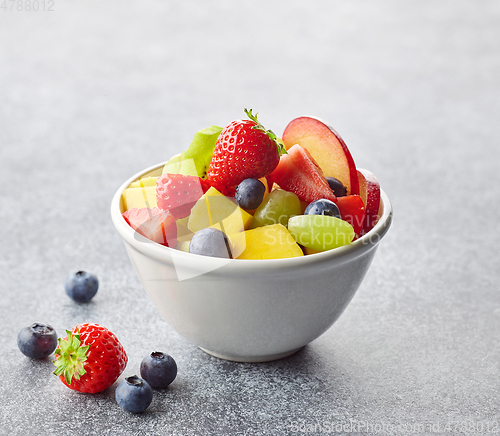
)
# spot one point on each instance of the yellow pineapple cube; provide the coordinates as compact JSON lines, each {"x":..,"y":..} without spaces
{"x":268,"y":242}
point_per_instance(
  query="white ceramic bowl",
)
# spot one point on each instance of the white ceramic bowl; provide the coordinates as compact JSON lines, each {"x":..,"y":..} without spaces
{"x":249,"y":310}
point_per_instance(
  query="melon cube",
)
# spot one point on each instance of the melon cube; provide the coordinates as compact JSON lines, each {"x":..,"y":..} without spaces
{"x":139,"y":198}
{"x":214,"y":209}
{"x":269,"y":242}
{"x":142,"y":183}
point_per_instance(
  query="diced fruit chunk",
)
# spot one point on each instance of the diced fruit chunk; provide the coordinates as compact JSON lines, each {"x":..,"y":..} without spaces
{"x":178,"y":193}
{"x":155,"y":224}
{"x":142,"y":183}
{"x":320,"y":232}
{"x":369,"y":191}
{"x":299,"y":173}
{"x":214,"y":209}
{"x":269,"y":242}
{"x":326,"y":147}
{"x":276,"y":208}
{"x":199,"y":152}
{"x":352,"y":209}
{"x":137,"y":198}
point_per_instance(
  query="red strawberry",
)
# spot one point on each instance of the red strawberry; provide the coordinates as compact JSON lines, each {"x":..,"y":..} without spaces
{"x":178,"y":193}
{"x":155,"y":224}
{"x":90,"y":359}
{"x":244,"y":149}
{"x":352,"y":209}
{"x":299,"y":173}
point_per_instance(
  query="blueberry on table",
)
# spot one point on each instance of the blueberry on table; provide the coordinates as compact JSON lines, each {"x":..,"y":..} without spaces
{"x":322,"y":207}
{"x":81,"y":286}
{"x":158,"y":369}
{"x":37,"y":341}
{"x":134,"y":394}
{"x":249,"y":194}
{"x":210,"y":242}
{"x":337,"y":187}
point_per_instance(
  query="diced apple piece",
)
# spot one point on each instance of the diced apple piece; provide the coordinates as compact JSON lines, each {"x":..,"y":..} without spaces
{"x":369,"y":190}
{"x":139,"y":197}
{"x":269,"y":242}
{"x":214,"y":209}
{"x":326,"y":147}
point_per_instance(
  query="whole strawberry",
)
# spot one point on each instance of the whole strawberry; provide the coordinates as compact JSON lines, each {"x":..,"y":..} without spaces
{"x":90,"y":359}
{"x":244,"y":149}
{"x":178,"y":193}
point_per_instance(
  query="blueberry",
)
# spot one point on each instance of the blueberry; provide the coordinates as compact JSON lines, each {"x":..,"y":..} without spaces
{"x":210,"y":242}
{"x":37,"y":341}
{"x":322,"y":207}
{"x":337,"y":187}
{"x":158,"y":369}
{"x":249,"y":194}
{"x":134,"y":394}
{"x":81,"y":286}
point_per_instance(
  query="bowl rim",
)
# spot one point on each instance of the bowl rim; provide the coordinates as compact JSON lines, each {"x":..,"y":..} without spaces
{"x":365,"y":243}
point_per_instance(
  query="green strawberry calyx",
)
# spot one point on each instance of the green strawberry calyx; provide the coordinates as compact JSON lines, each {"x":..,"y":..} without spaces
{"x":270,"y":133}
{"x":71,"y":357}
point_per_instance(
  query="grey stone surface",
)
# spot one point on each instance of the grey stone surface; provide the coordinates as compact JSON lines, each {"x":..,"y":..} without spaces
{"x":92,"y":92}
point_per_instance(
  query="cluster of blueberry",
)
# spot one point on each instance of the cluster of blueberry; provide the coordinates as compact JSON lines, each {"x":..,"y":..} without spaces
{"x":134,"y":394}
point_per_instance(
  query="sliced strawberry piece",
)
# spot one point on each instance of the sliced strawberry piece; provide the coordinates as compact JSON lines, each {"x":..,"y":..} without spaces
{"x":156,"y":224}
{"x":178,"y":193}
{"x":299,"y":173}
{"x":352,"y":209}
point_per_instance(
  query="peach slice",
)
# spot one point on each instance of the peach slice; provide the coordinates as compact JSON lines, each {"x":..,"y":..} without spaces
{"x":326,"y":147}
{"x":369,"y":191}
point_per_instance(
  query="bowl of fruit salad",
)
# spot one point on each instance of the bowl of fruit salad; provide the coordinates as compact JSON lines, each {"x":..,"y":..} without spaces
{"x":249,"y":245}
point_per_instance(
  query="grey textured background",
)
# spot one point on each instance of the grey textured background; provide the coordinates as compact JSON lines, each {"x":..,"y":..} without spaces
{"x":92,"y":92}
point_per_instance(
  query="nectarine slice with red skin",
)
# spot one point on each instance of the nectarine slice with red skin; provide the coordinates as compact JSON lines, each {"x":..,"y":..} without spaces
{"x":326,"y":147}
{"x":369,"y":190}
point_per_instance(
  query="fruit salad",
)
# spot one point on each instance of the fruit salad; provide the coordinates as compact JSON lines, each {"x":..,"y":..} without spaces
{"x":241,"y":192}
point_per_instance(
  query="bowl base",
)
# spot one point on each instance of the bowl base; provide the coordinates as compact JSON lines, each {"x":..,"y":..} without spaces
{"x":251,"y":359}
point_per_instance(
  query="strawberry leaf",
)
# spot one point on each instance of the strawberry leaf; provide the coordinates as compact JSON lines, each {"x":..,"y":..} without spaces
{"x":270,"y":133}
{"x":70,"y":357}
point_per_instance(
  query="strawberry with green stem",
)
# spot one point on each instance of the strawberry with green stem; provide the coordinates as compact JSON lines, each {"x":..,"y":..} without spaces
{"x":90,"y":359}
{"x":244,"y":149}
